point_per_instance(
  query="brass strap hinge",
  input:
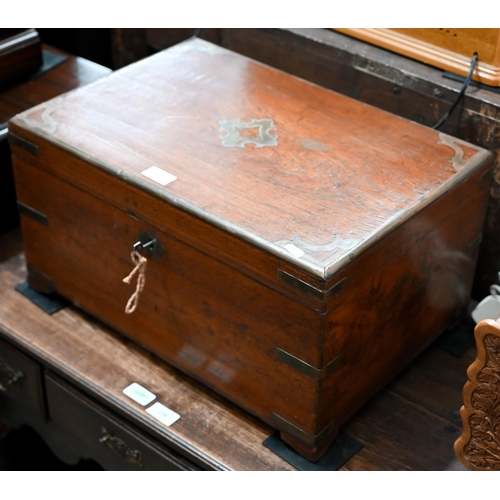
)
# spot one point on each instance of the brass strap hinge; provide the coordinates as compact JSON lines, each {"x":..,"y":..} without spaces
{"x":305,"y":368}
{"x":284,"y":425}
{"x":310,"y":290}
{"x":33,"y":213}
{"x":22,"y":143}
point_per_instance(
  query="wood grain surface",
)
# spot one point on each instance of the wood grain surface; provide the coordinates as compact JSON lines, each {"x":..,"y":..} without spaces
{"x":392,"y":82}
{"x":322,"y":185}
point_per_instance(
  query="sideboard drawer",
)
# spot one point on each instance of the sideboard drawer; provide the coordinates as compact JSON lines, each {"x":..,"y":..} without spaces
{"x":20,"y":385}
{"x":104,"y":437}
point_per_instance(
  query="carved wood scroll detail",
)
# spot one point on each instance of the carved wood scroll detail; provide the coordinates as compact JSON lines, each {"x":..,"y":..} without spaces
{"x":479,"y":446}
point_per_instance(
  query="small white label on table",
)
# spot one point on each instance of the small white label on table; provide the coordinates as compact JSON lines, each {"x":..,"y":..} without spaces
{"x":165,"y":415}
{"x":159,"y":175}
{"x":296,"y":251}
{"x":139,"y":394}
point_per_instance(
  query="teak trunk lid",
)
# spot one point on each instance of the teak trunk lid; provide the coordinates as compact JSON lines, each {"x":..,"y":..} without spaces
{"x":293,"y":169}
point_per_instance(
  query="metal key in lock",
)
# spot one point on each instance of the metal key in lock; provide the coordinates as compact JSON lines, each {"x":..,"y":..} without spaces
{"x":149,"y":244}
{"x":146,"y":246}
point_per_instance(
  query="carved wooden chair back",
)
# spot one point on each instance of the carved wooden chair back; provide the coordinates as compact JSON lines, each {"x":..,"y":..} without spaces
{"x":478,"y":448}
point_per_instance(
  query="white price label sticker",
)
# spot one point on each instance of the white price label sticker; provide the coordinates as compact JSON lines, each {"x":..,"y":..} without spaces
{"x":159,"y":175}
{"x":165,"y":415}
{"x":294,"y":250}
{"x":139,"y":394}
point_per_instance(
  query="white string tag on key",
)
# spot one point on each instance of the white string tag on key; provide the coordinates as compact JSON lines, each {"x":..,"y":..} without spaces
{"x":489,"y":307}
{"x":140,"y":267}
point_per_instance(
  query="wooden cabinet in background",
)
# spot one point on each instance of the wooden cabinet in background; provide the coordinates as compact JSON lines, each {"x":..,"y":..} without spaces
{"x":107,"y":439}
{"x":450,"y":49}
{"x":20,"y":53}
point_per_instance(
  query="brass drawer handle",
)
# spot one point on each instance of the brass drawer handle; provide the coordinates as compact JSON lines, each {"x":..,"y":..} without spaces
{"x":121,"y":448}
{"x":8,"y":375}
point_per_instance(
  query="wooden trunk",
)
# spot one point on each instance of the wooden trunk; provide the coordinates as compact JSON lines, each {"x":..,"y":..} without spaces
{"x":308,"y":247}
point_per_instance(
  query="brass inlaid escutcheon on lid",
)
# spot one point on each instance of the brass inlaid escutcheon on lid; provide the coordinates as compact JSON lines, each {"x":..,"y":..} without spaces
{"x":458,"y":160}
{"x":234,"y":137}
